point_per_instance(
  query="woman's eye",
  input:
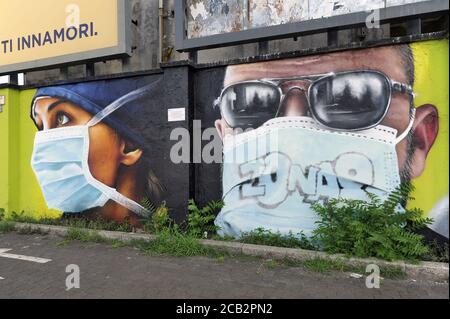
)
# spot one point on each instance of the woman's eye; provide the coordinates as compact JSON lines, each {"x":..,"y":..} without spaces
{"x":62,"y":119}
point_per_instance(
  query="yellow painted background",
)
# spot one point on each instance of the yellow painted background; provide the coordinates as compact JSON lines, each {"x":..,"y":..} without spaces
{"x":24,"y":17}
{"x":19,"y":190}
{"x":431,"y":87}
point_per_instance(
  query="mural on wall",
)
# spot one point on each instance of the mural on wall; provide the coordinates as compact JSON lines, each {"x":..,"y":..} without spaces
{"x":304,"y":130}
{"x":294,"y":131}
{"x":91,"y":150}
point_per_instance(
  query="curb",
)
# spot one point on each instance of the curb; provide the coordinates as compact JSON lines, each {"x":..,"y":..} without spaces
{"x":424,"y":270}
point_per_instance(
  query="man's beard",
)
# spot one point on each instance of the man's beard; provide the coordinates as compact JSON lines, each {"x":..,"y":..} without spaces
{"x":405,"y":172}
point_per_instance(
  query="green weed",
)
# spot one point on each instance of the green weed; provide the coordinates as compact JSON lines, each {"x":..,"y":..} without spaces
{"x":6,"y":226}
{"x":371,"y":228}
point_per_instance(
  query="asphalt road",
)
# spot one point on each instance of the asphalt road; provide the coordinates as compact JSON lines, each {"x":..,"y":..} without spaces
{"x":107,"y":272}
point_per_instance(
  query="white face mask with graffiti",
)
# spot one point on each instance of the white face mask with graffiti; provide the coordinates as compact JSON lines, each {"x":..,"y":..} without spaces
{"x":273,"y":174}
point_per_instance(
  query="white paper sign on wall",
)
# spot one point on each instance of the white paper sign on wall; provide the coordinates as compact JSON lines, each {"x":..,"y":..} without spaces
{"x":176,"y":115}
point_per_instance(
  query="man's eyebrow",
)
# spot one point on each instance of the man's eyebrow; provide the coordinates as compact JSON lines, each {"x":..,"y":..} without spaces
{"x":51,"y":106}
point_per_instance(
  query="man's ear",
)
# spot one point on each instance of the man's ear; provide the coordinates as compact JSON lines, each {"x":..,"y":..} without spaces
{"x":425,"y":130}
{"x":130,"y":154}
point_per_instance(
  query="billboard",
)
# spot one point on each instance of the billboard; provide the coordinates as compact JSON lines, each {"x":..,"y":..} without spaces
{"x":50,"y":33}
{"x":202,"y":24}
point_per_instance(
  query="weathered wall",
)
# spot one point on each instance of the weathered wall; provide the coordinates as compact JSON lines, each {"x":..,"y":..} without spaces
{"x":218,"y":16}
{"x":145,"y":44}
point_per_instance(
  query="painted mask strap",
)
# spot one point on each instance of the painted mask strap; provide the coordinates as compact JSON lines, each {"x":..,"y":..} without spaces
{"x":37,"y":99}
{"x":126,"y":202}
{"x":133,"y":95}
{"x":408,"y":129}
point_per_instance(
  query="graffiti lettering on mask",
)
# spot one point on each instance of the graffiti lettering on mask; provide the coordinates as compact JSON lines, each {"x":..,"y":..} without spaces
{"x":272,"y":178}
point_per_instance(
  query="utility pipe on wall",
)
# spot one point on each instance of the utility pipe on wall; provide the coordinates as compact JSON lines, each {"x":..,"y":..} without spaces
{"x":161,"y":30}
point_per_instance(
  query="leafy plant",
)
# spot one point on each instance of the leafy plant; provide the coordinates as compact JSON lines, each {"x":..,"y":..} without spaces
{"x":373,"y":228}
{"x":158,"y":218}
{"x":200,"y":220}
{"x":148,"y":205}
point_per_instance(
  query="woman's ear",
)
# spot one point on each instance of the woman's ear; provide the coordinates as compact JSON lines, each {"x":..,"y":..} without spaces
{"x":130,"y":154}
{"x":425,"y":130}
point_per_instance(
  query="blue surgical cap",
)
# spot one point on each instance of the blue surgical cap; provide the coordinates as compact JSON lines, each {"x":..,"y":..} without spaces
{"x":97,"y":95}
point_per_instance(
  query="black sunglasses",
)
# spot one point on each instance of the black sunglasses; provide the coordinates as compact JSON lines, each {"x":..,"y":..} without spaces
{"x":351,"y":101}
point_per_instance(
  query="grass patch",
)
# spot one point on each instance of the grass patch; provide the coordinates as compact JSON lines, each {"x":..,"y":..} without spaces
{"x":84,"y":235}
{"x":174,"y":243}
{"x":97,"y":224}
{"x":356,"y":228}
{"x":74,"y":222}
{"x":262,"y":236}
{"x":349,"y":227}
{"x":177,"y":244}
{"x":220,"y":259}
{"x":326,"y":265}
{"x":63,"y":243}
{"x":118,"y":244}
{"x":392,"y":272}
{"x":223,"y":238}
{"x":29,"y":230}
{"x":437,"y":253}
{"x":168,"y":242}
{"x":6,"y":226}
{"x":271,"y":264}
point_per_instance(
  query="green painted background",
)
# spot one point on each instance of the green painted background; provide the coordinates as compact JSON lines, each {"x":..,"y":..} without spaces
{"x":19,"y":190}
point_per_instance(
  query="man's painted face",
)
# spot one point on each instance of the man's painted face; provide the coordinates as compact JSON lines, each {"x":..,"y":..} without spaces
{"x":104,"y":150}
{"x":363,"y":98}
{"x":386,"y":60}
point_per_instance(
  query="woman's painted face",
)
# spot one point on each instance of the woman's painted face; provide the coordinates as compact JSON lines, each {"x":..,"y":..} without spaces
{"x":105,"y":143}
